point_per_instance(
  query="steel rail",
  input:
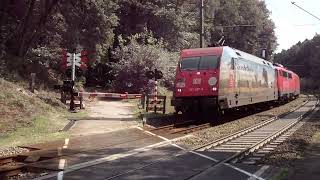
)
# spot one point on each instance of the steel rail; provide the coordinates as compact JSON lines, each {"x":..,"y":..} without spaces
{"x":245,"y":131}
{"x":240,"y":155}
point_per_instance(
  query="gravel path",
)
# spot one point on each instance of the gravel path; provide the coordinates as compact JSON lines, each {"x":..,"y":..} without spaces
{"x":114,"y":115}
{"x":208,"y":135}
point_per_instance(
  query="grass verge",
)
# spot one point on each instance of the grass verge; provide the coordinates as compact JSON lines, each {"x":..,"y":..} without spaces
{"x":283,"y":174}
{"x":41,"y":130}
{"x":316,"y":138}
{"x":44,"y":128}
{"x":28,"y":118}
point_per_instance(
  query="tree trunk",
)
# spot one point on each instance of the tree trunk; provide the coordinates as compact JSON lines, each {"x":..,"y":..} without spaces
{"x":39,"y":26}
{"x":3,"y":17}
{"x":24,"y":27}
{"x":3,"y":11}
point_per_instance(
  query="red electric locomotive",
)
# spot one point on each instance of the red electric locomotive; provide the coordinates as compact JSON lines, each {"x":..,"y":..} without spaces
{"x":218,"y":78}
{"x":288,"y":83}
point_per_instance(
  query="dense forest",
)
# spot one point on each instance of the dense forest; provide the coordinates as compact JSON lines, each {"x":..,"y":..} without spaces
{"x":303,"y":58}
{"x":124,"y":38}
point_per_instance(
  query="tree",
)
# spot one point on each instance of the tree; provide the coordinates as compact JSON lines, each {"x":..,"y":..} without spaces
{"x":227,"y":18}
{"x":135,"y":59}
{"x":169,"y":20}
{"x":303,"y":59}
{"x":29,"y":24}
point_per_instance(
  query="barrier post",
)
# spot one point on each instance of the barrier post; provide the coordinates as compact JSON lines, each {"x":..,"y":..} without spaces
{"x":63,"y":97}
{"x":32,"y":82}
{"x":164,"y":105}
{"x":147,"y":104}
{"x":143,"y":100}
{"x":81,"y":102}
{"x":155,"y":97}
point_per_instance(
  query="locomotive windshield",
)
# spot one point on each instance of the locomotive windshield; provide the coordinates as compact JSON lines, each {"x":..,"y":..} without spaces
{"x":199,"y":63}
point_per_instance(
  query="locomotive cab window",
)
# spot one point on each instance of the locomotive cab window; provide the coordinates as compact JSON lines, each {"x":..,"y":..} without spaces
{"x":290,"y":75}
{"x":199,"y":63}
{"x":208,"y":62}
{"x":190,"y":63}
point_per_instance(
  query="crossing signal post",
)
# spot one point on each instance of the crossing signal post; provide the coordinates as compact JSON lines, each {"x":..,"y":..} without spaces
{"x":155,"y":75}
{"x":69,"y":62}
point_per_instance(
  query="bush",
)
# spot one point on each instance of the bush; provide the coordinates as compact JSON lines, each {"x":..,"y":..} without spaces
{"x":309,"y":84}
{"x":136,"y":58}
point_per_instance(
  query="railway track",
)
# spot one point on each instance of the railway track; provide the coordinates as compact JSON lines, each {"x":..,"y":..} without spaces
{"x":256,"y":140}
{"x":250,"y":145}
{"x":190,"y":126}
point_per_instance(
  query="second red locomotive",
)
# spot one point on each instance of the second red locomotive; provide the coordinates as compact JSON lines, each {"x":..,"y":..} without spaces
{"x":219,"y":78}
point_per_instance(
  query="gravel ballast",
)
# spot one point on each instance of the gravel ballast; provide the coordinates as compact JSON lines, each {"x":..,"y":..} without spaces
{"x":10,"y":151}
{"x":207,"y":135}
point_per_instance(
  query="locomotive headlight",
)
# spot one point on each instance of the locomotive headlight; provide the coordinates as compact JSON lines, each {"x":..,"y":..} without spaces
{"x":179,"y":90}
{"x":214,"y":89}
{"x":212,"y":81}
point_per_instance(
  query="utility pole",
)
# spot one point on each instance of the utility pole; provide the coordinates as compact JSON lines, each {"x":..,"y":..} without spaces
{"x":201,"y":24}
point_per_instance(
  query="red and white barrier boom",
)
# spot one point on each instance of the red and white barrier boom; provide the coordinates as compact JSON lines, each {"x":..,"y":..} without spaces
{"x":110,"y":95}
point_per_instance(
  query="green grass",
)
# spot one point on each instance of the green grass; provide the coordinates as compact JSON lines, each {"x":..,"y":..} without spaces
{"x":42,"y":129}
{"x":79,"y":114}
{"x":283,"y":174}
{"x":27,"y":118}
{"x":316,"y":137}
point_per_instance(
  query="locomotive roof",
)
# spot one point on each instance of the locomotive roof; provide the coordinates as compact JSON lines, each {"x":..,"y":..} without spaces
{"x":249,"y":57}
{"x":202,"y":51}
{"x":284,"y":69}
{"x":219,"y":50}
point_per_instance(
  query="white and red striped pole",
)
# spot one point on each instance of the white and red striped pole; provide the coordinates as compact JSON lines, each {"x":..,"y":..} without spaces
{"x":155,"y":93}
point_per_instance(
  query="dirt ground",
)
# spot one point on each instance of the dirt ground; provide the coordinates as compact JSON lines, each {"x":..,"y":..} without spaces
{"x":105,"y":116}
{"x":309,"y":165}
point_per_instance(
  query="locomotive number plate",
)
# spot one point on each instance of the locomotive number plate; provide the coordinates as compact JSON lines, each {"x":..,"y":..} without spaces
{"x":196,"y":81}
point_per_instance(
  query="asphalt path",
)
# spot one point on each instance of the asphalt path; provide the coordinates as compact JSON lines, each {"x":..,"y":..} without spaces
{"x":146,"y":157}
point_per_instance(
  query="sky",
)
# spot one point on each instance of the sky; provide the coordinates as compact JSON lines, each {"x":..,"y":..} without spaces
{"x":293,"y":24}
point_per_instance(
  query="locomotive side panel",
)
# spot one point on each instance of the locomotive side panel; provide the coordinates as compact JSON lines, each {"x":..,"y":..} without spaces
{"x":256,"y":82}
{"x":245,"y":80}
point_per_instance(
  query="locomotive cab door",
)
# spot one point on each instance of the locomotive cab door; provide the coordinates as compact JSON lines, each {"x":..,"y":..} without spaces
{"x":238,"y":77}
{"x":236,"y":90}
